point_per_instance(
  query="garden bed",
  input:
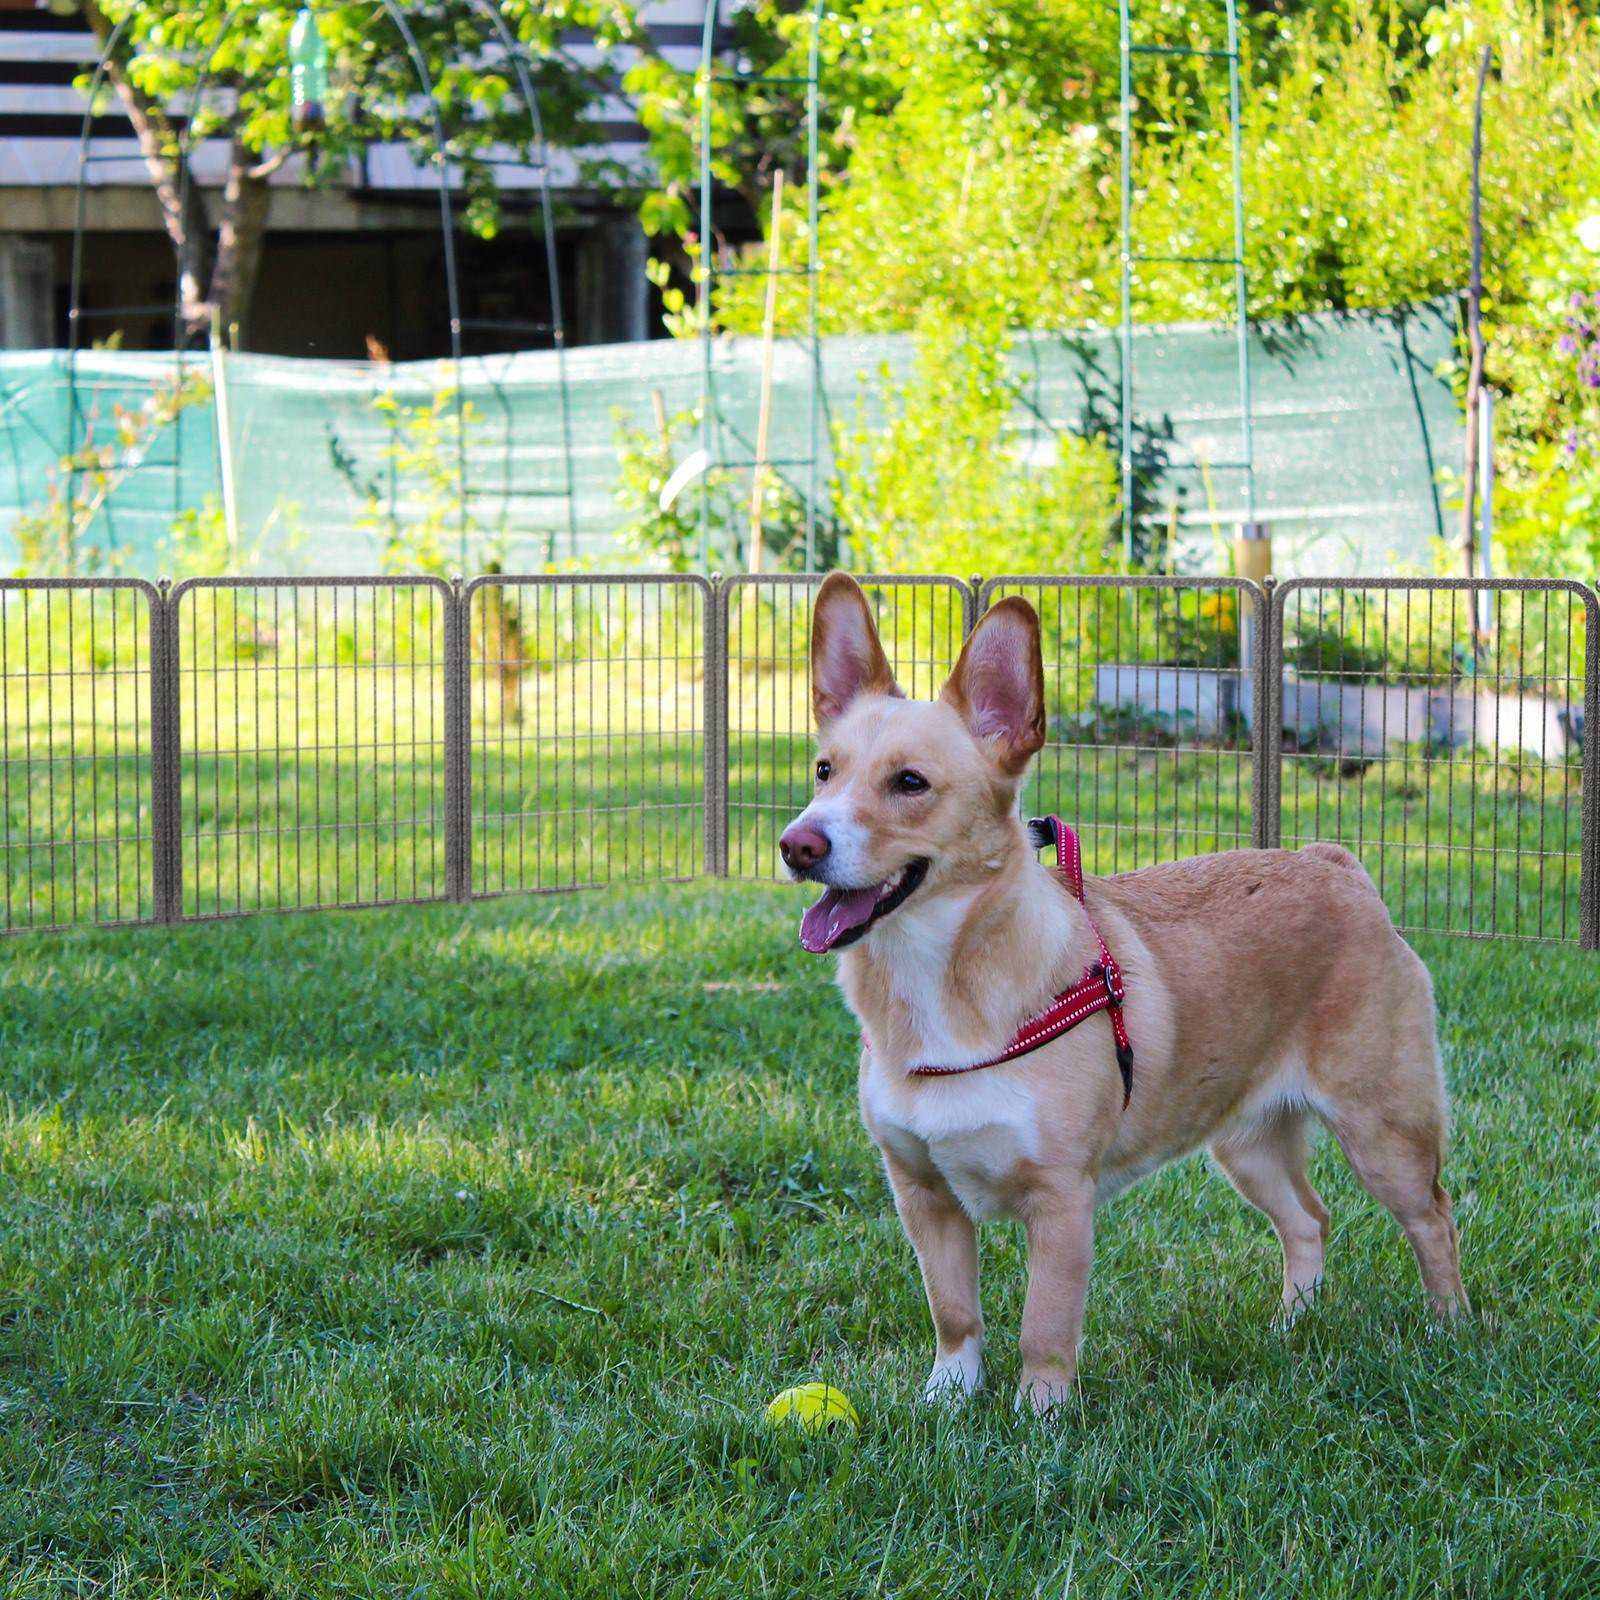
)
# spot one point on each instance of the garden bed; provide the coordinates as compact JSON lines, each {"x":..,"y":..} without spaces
{"x":1336,"y":715}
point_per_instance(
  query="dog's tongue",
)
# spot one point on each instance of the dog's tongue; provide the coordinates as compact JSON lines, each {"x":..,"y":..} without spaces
{"x":834,"y":915}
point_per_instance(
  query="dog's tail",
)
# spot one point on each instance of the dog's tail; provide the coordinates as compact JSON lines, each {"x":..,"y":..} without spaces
{"x":1336,"y":853}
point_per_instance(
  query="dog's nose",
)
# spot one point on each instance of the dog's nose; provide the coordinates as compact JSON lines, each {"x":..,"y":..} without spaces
{"x":802,"y":847}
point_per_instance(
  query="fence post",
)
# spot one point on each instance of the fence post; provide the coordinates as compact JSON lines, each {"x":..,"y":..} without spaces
{"x":1589,"y":820}
{"x":457,"y":770}
{"x":1266,"y":790}
{"x":166,"y":818}
{"x":714,"y":701}
{"x":971,"y":604}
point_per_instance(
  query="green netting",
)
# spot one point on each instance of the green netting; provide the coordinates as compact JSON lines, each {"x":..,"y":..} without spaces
{"x":1352,"y":424}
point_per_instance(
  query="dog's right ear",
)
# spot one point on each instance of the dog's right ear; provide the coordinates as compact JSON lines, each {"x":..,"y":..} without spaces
{"x":846,"y":656}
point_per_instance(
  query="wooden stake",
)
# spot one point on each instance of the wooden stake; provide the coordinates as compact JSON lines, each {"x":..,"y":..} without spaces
{"x":764,"y":415}
{"x":223,"y":415}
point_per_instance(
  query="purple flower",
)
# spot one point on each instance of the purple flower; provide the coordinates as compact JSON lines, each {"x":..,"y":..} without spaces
{"x":1566,"y":344}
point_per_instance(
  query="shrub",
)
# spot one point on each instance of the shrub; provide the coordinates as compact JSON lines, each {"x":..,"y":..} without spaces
{"x":939,"y":486}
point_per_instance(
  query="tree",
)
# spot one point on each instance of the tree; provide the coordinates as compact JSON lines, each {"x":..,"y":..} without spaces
{"x":970,"y":151}
{"x":228,"y":65}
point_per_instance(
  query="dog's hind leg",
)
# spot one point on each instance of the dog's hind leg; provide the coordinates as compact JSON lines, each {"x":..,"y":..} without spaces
{"x":1390,"y":1118}
{"x":1266,"y":1163}
{"x":1398,"y":1162}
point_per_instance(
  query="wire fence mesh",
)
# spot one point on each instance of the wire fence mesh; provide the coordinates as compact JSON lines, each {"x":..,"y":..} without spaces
{"x":77,"y":833}
{"x":587,"y":730}
{"x":250,"y":744}
{"x":311,"y":720}
{"x":1150,"y":697}
{"x":1437,"y":730}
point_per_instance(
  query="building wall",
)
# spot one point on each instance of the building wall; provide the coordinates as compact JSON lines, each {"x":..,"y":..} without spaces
{"x":341,"y":264}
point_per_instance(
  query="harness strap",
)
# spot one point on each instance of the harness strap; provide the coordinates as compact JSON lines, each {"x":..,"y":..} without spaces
{"x":1099,"y":989}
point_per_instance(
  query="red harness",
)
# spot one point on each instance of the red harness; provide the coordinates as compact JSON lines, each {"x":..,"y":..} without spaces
{"x":1099,"y":989}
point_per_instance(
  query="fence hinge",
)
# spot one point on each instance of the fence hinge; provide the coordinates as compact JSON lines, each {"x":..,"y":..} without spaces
{"x":166,"y":809}
{"x":457,"y":753}
{"x":1266,"y":740}
{"x":714,"y":700}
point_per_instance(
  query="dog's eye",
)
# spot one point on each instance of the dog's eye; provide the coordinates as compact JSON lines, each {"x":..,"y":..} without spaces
{"x":909,"y":782}
{"x":824,"y":771}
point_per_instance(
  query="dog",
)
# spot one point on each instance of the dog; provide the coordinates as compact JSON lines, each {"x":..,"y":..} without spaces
{"x":1262,"y":989}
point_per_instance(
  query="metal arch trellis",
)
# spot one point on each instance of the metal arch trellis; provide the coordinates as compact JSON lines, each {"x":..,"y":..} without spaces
{"x":714,"y":427}
{"x":516,"y":54}
{"x":77,"y":315}
{"x":1128,"y":52}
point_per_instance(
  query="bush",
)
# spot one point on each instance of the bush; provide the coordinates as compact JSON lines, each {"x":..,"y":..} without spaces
{"x":938,"y":486}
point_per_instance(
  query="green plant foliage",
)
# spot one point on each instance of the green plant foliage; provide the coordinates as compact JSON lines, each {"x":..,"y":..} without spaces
{"x":714,"y":511}
{"x":242,"y":56}
{"x":1544,"y":359}
{"x":939,"y":486}
{"x":970,"y":170}
{"x":974,"y":165}
{"x":199,"y":545}
{"x":412,"y":503}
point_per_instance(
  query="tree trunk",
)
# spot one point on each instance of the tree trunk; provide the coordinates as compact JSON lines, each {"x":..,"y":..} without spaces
{"x":183,"y":211}
{"x":246,"y":202}
{"x":223,"y":276}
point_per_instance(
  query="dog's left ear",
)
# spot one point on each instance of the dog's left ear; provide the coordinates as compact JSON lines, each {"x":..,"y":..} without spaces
{"x":847,"y":657}
{"x":998,"y":684}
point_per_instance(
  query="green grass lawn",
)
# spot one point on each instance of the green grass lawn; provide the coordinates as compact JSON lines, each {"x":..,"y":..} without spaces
{"x":455,"y":1252}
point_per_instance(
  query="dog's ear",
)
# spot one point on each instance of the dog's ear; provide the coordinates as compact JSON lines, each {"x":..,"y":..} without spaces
{"x":998,"y":684}
{"x":846,"y":657}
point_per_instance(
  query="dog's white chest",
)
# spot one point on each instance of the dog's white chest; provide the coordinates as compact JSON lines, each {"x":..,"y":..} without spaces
{"x":973,"y":1129}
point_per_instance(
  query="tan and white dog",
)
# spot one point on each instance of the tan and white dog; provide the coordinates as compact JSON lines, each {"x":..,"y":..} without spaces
{"x":1264,"y":988}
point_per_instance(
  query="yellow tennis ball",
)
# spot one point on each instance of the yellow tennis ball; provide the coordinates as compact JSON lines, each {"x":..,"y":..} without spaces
{"x":813,"y":1406}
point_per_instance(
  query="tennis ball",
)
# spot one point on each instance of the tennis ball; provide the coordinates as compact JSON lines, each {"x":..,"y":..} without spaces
{"x":813,"y":1407}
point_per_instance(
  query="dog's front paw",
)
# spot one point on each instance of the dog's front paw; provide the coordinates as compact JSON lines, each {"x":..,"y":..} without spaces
{"x":1297,"y":1298}
{"x":1045,"y":1394}
{"x":956,"y":1375}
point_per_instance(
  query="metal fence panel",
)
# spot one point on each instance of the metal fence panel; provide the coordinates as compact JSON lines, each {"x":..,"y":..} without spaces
{"x":311,"y":741}
{"x":252,"y":744}
{"x":77,"y":803}
{"x":587,"y":704}
{"x":922,"y":621}
{"x":1436,"y":728}
{"x":1151,"y":686}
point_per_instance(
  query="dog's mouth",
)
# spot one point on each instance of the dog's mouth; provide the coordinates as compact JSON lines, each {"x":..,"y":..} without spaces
{"x":842,"y":916}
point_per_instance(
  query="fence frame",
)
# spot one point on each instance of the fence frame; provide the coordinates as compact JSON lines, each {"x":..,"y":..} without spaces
{"x":713,"y":682}
{"x":1268,"y":601}
{"x":155,"y":616}
{"x":173,"y":595}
